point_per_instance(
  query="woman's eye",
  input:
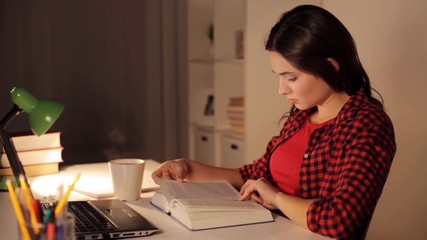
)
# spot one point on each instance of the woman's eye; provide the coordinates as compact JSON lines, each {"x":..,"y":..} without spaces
{"x":292,"y":79}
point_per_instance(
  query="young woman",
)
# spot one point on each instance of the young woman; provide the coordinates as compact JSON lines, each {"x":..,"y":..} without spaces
{"x":327,"y":168}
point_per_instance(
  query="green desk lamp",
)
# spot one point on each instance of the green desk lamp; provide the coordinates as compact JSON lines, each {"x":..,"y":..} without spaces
{"x":42,"y":115}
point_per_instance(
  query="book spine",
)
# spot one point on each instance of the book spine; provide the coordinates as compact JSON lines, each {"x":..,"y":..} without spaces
{"x":35,"y":157}
{"x":33,"y":170}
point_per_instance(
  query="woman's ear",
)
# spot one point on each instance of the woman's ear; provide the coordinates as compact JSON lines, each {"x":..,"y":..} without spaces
{"x":334,"y":63}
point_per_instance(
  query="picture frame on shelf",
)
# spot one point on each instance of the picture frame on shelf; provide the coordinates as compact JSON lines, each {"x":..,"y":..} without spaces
{"x":204,"y":105}
{"x":239,"y":43}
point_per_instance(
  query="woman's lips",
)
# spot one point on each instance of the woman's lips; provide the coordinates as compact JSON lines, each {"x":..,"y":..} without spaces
{"x":293,"y":101}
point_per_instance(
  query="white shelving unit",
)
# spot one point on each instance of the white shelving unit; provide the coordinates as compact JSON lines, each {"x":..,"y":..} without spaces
{"x":215,"y":68}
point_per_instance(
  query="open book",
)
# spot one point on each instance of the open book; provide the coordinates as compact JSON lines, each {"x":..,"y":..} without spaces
{"x":207,"y":204}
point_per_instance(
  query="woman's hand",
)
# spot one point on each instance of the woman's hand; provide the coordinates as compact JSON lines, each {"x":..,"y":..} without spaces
{"x":260,"y":191}
{"x":176,"y":169}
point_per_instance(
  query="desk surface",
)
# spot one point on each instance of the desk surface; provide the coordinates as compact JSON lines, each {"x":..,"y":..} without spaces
{"x":281,"y":228}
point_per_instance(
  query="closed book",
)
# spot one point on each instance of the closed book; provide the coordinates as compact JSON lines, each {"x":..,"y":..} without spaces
{"x":236,"y":101}
{"x":34,"y":170}
{"x":239,"y":109}
{"x":237,"y":123}
{"x":33,"y":157}
{"x":28,"y":141}
{"x":207,"y":204}
{"x":235,"y":115}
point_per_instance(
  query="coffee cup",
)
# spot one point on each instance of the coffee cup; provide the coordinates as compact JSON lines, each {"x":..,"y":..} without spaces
{"x":127,"y":175}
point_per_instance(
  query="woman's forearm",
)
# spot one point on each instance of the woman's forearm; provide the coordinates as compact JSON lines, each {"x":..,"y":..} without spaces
{"x":200,"y":171}
{"x":294,"y":208}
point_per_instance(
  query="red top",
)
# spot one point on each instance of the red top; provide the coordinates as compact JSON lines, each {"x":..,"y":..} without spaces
{"x":285,"y":162}
{"x":344,"y":169}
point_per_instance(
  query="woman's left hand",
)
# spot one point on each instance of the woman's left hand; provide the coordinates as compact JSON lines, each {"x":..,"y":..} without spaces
{"x":261,"y":191}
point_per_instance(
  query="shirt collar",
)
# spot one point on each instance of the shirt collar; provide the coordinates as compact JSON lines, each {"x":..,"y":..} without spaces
{"x":347,"y":113}
{"x":349,"y":110}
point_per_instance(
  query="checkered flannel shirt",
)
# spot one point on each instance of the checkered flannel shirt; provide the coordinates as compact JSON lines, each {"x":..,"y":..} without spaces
{"x":344,"y":167}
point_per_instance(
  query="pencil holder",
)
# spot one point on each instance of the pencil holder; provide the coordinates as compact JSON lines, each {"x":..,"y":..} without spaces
{"x":61,"y":229}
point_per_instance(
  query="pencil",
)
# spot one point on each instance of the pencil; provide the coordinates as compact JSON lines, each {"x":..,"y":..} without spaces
{"x":18,"y":211}
{"x":29,"y":202}
{"x":64,"y":199}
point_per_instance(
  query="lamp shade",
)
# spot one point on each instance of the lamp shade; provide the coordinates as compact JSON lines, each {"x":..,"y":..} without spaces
{"x":42,"y":113}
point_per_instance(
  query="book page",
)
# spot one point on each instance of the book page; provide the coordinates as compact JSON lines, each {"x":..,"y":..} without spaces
{"x":216,"y":205}
{"x":198,"y":190}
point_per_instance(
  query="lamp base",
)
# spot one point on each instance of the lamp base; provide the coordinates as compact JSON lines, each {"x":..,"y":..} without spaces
{"x":3,"y":187}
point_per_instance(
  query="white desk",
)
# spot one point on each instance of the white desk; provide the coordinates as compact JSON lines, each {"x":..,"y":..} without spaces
{"x":281,"y":228}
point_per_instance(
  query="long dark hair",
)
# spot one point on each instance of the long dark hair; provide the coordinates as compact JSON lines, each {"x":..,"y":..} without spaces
{"x":307,"y":36}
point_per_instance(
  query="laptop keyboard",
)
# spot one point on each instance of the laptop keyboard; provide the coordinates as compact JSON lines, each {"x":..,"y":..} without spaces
{"x":88,"y":219}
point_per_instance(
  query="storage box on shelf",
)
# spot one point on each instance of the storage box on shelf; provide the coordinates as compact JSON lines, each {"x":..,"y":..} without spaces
{"x":232,"y":151}
{"x":205,"y":145}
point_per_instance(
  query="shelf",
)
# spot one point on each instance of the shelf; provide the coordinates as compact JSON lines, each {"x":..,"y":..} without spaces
{"x":207,"y":126}
{"x":230,"y":61}
{"x":202,"y":61}
{"x":210,"y":126}
{"x":234,"y":135}
{"x":217,"y":61}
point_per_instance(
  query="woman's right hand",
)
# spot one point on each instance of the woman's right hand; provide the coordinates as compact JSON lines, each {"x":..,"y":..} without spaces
{"x":177,"y":169}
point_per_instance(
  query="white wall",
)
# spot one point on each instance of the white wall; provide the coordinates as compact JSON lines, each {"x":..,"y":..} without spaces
{"x":392,"y":43}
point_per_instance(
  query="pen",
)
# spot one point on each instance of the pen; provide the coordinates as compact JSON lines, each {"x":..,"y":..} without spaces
{"x":64,"y":199}
{"x":50,"y":231}
{"x":29,"y":202}
{"x":18,"y":211}
{"x":37,"y":210}
{"x":49,"y":216}
{"x":60,"y":232}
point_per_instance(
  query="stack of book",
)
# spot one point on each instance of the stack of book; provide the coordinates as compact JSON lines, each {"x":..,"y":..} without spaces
{"x":39,"y":155}
{"x":236,"y":115}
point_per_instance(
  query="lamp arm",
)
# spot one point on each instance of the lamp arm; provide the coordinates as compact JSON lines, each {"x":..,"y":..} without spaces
{"x":9,"y":147}
{"x":15,"y":111}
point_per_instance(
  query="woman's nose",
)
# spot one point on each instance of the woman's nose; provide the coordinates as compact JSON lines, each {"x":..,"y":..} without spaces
{"x":283,"y":87}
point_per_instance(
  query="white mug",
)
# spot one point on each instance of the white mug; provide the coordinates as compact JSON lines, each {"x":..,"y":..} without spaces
{"x":127,"y":175}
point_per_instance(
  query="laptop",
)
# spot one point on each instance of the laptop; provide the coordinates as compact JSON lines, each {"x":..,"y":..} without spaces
{"x":108,"y":219}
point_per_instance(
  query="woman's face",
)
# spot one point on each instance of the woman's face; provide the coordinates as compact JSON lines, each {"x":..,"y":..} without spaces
{"x":303,"y":90}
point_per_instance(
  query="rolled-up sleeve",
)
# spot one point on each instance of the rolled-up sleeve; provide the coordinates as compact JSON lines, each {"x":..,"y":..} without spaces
{"x":259,"y":168}
{"x":359,"y":175}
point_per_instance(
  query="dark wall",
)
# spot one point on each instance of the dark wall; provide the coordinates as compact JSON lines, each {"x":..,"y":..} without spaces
{"x":102,"y":59}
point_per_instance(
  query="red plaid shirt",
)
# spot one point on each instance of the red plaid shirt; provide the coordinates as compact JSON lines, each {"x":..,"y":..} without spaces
{"x":344,"y":167}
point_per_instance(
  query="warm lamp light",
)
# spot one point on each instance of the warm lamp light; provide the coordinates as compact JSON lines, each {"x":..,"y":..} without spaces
{"x":42,"y":115}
